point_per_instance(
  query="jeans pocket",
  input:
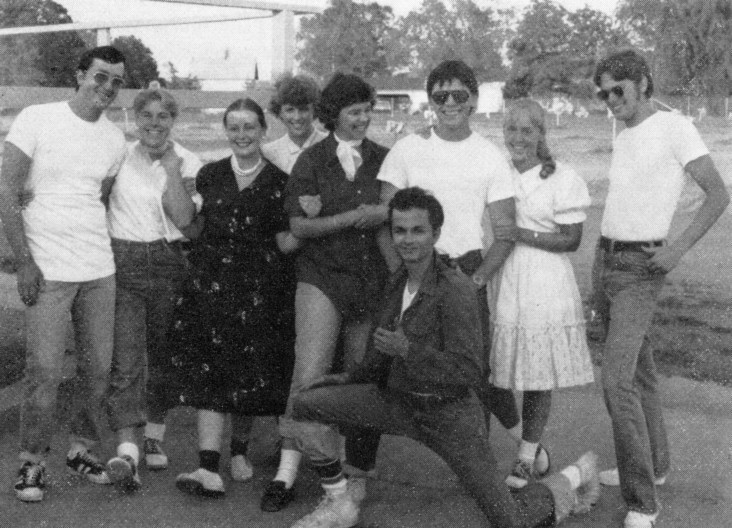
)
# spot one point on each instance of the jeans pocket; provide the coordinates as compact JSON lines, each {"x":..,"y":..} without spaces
{"x":633,"y":261}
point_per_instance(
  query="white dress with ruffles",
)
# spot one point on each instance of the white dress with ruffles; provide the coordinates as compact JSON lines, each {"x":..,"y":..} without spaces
{"x":538,"y":340}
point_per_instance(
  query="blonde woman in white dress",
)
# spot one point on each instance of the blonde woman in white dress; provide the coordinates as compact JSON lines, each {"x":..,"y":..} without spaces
{"x":538,"y":341}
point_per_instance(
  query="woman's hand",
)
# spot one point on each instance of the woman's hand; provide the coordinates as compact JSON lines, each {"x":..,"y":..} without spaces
{"x":369,"y":216}
{"x":311,"y":205}
{"x":190,"y":186}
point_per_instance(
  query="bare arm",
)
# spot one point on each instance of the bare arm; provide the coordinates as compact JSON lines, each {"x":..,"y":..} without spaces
{"x":15,"y":171}
{"x":193,"y":230}
{"x":503,"y":216}
{"x":107,"y":184}
{"x":386,"y":245}
{"x":568,"y":238}
{"x":177,"y":202}
{"x":705,"y":174}
{"x":303,"y":227}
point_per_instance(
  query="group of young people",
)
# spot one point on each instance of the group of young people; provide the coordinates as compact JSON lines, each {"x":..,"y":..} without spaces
{"x":344,"y":287}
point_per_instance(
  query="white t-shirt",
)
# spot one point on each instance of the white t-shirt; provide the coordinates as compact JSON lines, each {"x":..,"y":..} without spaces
{"x":66,"y":222}
{"x":136,"y":203}
{"x":647,"y":176}
{"x":464,"y":176}
{"x":283,"y":152}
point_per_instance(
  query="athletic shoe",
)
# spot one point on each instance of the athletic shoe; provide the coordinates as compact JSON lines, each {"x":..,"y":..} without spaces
{"x":276,"y":496}
{"x":539,"y":470}
{"x":155,"y":457}
{"x":334,"y":511}
{"x":201,"y":482}
{"x":588,"y":492}
{"x":611,"y":477}
{"x":522,"y":473}
{"x":84,"y":463}
{"x":123,"y":472}
{"x":31,"y":482}
{"x":357,"y":489}
{"x":241,"y":468}
{"x":636,"y":519}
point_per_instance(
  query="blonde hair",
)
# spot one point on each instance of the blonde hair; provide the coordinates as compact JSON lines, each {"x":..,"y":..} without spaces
{"x":537,"y":117}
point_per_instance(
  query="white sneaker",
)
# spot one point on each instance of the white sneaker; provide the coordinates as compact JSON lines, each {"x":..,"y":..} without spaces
{"x":241,"y":468}
{"x":334,"y":511}
{"x":201,"y":482}
{"x":636,"y":519}
{"x":155,"y":457}
{"x":611,"y":477}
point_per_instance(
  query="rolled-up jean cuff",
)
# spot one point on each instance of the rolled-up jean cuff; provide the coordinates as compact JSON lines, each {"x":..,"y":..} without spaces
{"x":563,"y":494}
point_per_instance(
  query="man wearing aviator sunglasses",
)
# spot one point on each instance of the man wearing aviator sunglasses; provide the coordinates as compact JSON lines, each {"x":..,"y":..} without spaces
{"x":66,"y":156}
{"x":650,"y":157}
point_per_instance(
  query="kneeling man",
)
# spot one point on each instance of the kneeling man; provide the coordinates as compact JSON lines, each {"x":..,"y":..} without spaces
{"x":417,"y":380}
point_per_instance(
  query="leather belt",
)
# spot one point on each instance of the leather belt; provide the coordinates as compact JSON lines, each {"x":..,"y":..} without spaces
{"x":614,"y":246}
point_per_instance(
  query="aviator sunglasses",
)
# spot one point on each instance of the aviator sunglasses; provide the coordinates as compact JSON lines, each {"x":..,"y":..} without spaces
{"x":101,"y":79}
{"x":459,"y":96}
{"x":604,"y":95}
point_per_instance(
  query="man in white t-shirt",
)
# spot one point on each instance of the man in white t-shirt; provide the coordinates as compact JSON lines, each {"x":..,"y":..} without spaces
{"x":66,"y":155}
{"x":468,"y":175}
{"x":647,"y":175}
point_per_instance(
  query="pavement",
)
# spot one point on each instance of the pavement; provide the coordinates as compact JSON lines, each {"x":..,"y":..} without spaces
{"x":413,"y":487}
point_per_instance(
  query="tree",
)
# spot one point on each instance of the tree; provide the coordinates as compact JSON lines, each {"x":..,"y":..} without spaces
{"x":348,"y":37}
{"x":140,"y":66}
{"x":435,"y":33}
{"x":48,"y":59}
{"x":181,"y":83}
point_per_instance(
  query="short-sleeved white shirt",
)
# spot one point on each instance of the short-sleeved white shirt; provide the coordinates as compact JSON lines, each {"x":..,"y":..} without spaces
{"x":136,"y":203}
{"x":66,"y":222}
{"x":465,"y":176}
{"x":647,"y":176}
{"x":283,"y":152}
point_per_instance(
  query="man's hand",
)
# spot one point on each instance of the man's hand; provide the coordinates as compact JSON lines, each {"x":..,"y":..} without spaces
{"x":311,"y":205}
{"x":371,"y":216}
{"x":330,"y":379}
{"x":662,"y":259}
{"x":29,"y":279}
{"x":391,"y":343}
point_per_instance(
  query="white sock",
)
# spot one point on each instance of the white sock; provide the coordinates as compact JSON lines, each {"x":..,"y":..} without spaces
{"x":155,"y":431}
{"x":573,"y":474}
{"x":527,"y":451}
{"x":287,"y":470}
{"x":336,"y":488}
{"x":515,"y":432}
{"x":130,"y":449}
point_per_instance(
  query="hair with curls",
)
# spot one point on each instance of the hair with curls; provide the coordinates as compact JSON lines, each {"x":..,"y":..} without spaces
{"x":452,"y":70}
{"x":343,"y":89}
{"x":246,"y":104}
{"x":537,"y":117}
{"x":161,"y":95}
{"x":108,"y":54}
{"x":626,"y":64}
{"x":418,"y":198}
{"x":296,"y":90}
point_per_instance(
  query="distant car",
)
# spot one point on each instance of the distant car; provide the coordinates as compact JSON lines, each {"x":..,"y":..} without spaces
{"x":382,"y":105}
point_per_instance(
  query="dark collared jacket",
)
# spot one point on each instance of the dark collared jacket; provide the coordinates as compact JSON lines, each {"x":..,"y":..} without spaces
{"x":443,"y":328}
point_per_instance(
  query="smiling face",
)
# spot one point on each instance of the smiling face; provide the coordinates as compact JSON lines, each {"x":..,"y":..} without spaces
{"x":154,"y":124}
{"x":298,"y":120}
{"x":100,"y":84}
{"x":413,"y":234}
{"x":632,"y":106}
{"x":522,"y":137}
{"x":453,"y":115}
{"x":353,"y":121}
{"x":244,"y":133}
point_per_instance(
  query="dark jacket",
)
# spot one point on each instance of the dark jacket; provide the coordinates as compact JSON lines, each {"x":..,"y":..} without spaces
{"x":443,"y":328}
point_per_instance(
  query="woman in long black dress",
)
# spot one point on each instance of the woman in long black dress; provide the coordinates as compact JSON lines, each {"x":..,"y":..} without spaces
{"x":235,"y":329}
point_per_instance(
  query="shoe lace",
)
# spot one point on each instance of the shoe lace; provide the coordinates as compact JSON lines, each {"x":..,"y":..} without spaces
{"x":523,"y":469}
{"x":86,"y":462}
{"x":32,"y":474}
{"x":152,"y":447}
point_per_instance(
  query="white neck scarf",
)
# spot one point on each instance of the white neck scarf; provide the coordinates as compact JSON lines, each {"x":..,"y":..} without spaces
{"x":349,"y":157}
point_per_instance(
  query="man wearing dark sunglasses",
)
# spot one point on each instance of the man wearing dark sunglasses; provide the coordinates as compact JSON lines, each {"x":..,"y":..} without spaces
{"x":650,"y":157}
{"x":65,"y":155}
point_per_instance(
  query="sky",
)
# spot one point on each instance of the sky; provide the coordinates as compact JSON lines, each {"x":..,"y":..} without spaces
{"x":227,"y":50}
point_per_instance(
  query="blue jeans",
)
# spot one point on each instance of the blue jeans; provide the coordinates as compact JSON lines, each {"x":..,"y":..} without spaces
{"x":91,"y":306}
{"x":149,"y":276}
{"x":625,"y":297}
{"x":455,"y":430}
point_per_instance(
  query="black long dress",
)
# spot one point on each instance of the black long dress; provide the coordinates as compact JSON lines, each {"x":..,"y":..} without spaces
{"x":233,"y":332}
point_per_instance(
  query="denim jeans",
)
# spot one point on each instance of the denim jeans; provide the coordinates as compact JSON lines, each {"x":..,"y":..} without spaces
{"x":454,"y":430}
{"x":625,"y":299}
{"x":91,"y":305}
{"x":149,"y":276}
{"x":317,"y":325}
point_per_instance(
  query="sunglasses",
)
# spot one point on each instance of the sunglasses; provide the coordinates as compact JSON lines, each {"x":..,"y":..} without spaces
{"x":101,"y":79}
{"x":604,"y":95}
{"x":459,"y":96}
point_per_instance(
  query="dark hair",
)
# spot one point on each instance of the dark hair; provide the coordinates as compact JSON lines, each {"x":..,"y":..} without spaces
{"x":344,"y":89}
{"x":418,"y":198}
{"x":296,"y":90}
{"x":108,"y":54}
{"x":452,"y":70}
{"x":246,"y":104}
{"x":537,"y":116}
{"x":627,"y":64}
{"x":164,"y":97}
